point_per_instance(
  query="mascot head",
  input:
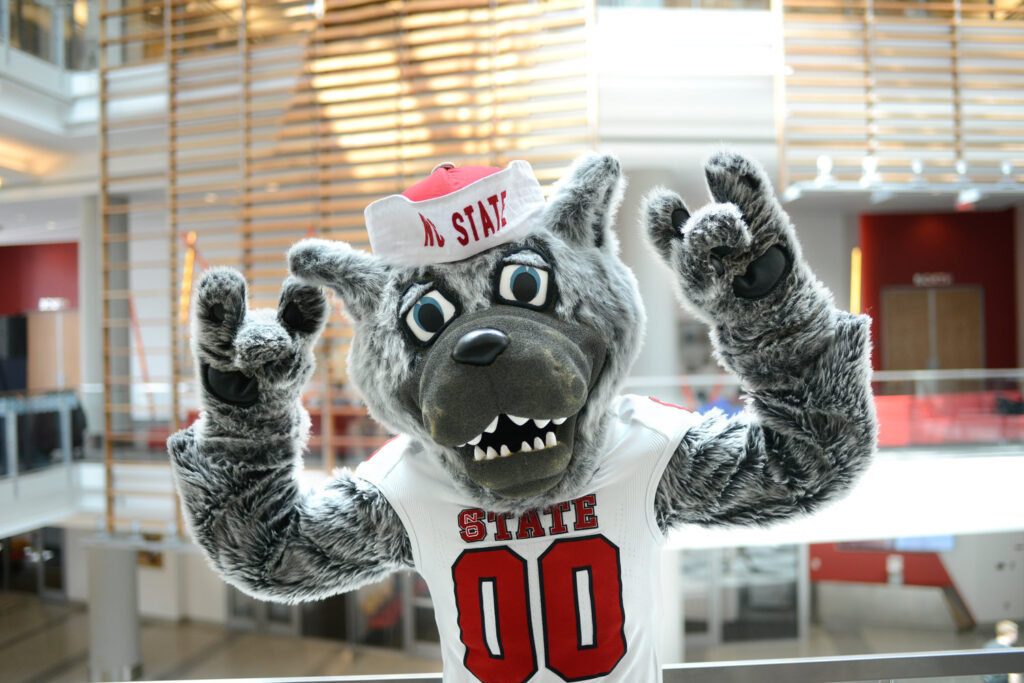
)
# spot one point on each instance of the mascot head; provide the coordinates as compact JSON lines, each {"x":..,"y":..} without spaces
{"x":492,"y":326}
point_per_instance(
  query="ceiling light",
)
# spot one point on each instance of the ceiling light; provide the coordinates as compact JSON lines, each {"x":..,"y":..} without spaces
{"x":917,"y":167}
{"x":869,"y":164}
{"x":824,"y":164}
{"x":961,"y":167}
{"x":967,"y":198}
{"x":879,"y":196}
{"x":791,"y":194}
{"x":1007,"y":170}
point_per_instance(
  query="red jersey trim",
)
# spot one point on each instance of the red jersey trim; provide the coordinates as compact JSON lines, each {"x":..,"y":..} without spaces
{"x":669,"y":405}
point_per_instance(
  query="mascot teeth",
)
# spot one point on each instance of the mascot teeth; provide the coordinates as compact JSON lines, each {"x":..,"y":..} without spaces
{"x":510,"y":434}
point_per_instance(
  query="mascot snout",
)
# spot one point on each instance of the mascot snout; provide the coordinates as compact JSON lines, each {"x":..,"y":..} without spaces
{"x":504,"y":387}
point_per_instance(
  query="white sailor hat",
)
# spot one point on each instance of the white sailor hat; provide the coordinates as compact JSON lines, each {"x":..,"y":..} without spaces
{"x":455,"y":213}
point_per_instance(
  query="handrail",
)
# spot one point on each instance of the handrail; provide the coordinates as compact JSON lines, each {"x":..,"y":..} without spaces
{"x":726,"y":379}
{"x":803,"y":670}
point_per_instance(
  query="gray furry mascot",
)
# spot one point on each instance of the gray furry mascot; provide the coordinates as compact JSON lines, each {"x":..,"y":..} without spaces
{"x":494,"y":330}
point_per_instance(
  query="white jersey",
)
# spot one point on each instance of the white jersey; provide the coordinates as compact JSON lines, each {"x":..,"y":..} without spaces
{"x":569,"y":592}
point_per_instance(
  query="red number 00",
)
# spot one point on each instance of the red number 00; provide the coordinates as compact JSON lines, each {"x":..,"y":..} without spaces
{"x":581,"y":610}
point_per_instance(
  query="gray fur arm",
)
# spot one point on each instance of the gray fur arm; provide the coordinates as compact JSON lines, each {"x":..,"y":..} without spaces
{"x":236,"y":468}
{"x":809,"y":428}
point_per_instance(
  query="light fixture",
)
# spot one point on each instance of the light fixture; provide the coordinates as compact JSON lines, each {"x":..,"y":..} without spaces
{"x":51,"y":225}
{"x":961,"y":168}
{"x":1006,"y":168}
{"x":967,"y":198}
{"x":879,"y":196}
{"x":825,"y":176}
{"x":791,"y":194}
{"x":869,"y":165}
{"x":917,"y":168}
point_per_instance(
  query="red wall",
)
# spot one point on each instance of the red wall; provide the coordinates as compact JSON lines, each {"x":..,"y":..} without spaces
{"x":28,"y":272}
{"x":976,"y":247}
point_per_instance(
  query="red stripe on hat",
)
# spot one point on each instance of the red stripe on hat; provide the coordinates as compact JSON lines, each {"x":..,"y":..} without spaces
{"x":447,"y":179}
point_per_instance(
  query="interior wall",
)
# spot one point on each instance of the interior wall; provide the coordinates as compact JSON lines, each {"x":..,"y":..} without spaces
{"x":31,"y":271}
{"x":974,"y":247}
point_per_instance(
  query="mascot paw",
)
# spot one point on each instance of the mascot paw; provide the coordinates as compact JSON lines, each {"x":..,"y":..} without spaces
{"x":249,"y":357}
{"x":739,"y":248}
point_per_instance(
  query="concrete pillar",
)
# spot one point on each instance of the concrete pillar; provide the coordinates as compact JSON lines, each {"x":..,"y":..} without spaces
{"x":114,"y":648}
{"x":90,"y":309}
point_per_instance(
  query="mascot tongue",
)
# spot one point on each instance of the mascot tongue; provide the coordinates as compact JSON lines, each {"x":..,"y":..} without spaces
{"x":455,"y":213}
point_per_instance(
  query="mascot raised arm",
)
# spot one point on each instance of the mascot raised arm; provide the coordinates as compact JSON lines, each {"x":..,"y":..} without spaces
{"x":493,"y":332}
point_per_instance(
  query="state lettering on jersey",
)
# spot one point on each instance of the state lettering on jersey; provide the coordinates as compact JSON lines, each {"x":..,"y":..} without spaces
{"x":580,"y":514}
{"x":480,"y":220}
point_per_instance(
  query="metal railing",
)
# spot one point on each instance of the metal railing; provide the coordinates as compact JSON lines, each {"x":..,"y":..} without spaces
{"x":887,"y":667}
{"x":931,"y":408}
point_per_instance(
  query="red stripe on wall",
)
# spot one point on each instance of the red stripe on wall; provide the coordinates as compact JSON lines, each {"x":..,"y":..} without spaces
{"x":975,"y":247}
{"x":829,"y":563}
{"x":31,"y":271}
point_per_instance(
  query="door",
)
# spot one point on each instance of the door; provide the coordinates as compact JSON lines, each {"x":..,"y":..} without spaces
{"x":933,"y":328}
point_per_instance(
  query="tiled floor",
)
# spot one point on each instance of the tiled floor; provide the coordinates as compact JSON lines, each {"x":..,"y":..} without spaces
{"x":44,"y":642}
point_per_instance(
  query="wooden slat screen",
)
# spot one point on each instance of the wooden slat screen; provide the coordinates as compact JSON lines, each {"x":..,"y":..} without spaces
{"x":232,"y":128}
{"x":936,"y":81}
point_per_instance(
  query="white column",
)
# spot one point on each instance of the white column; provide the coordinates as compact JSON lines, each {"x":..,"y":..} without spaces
{"x":90,"y":314}
{"x":114,"y":649}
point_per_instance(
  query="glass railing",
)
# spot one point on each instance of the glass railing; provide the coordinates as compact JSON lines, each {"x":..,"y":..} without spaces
{"x":62,"y":32}
{"x":949,"y":666}
{"x":39,"y":432}
{"x":916,"y":408}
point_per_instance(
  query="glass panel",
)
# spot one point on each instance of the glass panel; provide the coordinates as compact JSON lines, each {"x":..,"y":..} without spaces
{"x":759,"y":593}
{"x":81,"y":36}
{"x":378,"y":614}
{"x":425,"y":626}
{"x":280,"y":613}
{"x":32,"y":28}
{"x":22,"y":563}
{"x":52,"y":558}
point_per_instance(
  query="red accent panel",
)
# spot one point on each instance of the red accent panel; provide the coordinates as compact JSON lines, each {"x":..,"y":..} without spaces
{"x":31,"y":271}
{"x":829,"y":563}
{"x":949,"y":418}
{"x":976,"y":247}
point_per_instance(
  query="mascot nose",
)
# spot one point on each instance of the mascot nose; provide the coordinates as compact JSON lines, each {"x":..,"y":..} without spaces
{"x":480,"y":347}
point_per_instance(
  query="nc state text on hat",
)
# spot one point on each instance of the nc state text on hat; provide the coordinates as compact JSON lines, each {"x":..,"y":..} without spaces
{"x":488,"y":227}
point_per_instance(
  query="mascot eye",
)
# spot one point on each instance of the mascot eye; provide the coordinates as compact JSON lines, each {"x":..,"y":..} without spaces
{"x":524,"y":285}
{"x":429,"y":315}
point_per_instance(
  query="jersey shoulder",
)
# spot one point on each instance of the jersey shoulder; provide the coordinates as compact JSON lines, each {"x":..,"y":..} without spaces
{"x":654,"y":414}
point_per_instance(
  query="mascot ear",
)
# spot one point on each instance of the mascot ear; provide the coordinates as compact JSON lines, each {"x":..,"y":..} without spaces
{"x":583,"y":205}
{"x":357,"y":277}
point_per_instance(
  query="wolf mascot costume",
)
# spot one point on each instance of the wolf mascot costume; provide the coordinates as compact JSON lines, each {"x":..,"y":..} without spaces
{"x":493,"y":333}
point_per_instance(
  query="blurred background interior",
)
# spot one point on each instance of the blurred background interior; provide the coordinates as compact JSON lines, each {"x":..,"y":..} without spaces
{"x":142,"y":141}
